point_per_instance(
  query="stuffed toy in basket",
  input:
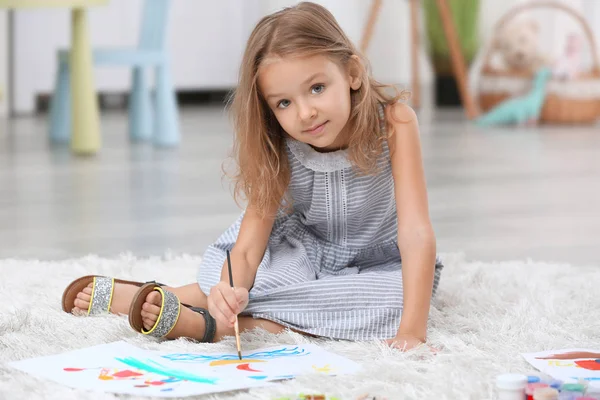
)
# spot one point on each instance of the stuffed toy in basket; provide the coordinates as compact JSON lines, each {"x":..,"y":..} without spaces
{"x":572,"y":96}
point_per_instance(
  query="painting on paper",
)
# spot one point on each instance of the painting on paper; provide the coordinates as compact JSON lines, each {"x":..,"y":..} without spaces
{"x":122,"y":368}
{"x":569,"y":365}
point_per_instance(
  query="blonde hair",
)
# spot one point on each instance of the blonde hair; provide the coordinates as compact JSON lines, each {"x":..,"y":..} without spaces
{"x":262,"y":174}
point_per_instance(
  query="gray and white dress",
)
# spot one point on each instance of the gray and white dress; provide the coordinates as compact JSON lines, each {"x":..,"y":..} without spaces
{"x":332,"y":267}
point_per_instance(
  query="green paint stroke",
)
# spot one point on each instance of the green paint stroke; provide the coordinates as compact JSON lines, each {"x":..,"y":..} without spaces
{"x":161,"y":370}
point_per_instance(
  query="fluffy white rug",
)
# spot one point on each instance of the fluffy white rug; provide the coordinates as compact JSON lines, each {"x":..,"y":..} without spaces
{"x":485,"y":315}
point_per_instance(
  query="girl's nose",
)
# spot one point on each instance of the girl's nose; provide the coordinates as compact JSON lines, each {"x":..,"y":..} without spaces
{"x":306,"y":112}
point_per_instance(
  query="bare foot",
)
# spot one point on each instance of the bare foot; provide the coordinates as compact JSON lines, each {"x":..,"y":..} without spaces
{"x":151,"y":309}
{"x":121,"y":299}
{"x":190,"y":324}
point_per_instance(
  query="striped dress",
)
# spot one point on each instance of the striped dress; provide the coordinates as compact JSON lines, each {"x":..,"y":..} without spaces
{"x":332,"y":267}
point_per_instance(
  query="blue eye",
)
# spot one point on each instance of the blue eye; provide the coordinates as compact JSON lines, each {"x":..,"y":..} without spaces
{"x":317,"y":89}
{"x":283,"y":104}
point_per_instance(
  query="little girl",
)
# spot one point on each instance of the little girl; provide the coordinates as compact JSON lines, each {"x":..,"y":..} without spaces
{"x":330,"y":166}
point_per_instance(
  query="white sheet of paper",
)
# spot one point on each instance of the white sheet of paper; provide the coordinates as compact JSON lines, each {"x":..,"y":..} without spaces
{"x":569,"y":370}
{"x":119,"y":367}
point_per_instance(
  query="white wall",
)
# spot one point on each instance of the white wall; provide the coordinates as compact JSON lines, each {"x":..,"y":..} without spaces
{"x":4,"y":62}
{"x":206,"y":39}
{"x":211,"y":60}
{"x":39,"y":33}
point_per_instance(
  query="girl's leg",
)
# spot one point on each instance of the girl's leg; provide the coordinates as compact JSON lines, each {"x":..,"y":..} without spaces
{"x":123,"y":294}
{"x":191,"y":324}
{"x":190,"y":294}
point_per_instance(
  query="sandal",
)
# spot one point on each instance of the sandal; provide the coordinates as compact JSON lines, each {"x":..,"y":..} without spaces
{"x":169,"y":314}
{"x":102,"y":291}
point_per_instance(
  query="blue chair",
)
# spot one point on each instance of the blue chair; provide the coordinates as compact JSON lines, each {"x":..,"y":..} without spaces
{"x":150,"y":52}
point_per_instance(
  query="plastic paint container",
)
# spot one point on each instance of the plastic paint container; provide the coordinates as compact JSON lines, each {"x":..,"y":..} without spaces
{"x":511,"y":386}
{"x":567,"y":395}
{"x":553,"y":383}
{"x":573,"y":387}
{"x":532,"y":387}
{"x":546,"y":393}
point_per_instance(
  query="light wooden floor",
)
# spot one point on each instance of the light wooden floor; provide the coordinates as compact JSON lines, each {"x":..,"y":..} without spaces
{"x":496,"y":194}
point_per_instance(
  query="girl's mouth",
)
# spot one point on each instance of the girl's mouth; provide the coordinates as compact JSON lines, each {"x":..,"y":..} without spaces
{"x":317,"y":129}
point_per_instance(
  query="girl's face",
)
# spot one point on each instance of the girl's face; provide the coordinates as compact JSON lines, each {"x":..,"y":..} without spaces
{"x":310,"y":97}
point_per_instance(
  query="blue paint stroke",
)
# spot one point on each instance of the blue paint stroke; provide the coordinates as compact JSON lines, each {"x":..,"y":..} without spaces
{"x":166,"y":390}
{"x":161,"y":370}
{"x":261,"y":377}
{"x":261,"y":355}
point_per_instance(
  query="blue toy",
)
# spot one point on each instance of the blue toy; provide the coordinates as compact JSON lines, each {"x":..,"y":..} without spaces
{"x":521,"y":110}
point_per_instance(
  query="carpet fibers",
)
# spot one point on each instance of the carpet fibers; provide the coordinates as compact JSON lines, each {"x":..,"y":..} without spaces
{"x":484,"y":317}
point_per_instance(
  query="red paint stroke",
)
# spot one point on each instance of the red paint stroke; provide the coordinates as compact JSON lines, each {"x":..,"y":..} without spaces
{"x":155,"y":383}
{"x":126,"y":374}
{"x":592,"y":365}
{"x":246,"y":367}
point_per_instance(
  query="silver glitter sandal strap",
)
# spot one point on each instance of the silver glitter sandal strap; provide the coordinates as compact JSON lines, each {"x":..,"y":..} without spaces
{"x":169,"y":314}
{"x":102,"y":291}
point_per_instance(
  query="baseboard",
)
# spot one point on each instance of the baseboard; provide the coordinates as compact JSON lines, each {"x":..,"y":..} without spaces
{"x":119,"y":101}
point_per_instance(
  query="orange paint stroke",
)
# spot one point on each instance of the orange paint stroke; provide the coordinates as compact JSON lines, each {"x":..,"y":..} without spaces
{"x":105,"y":375}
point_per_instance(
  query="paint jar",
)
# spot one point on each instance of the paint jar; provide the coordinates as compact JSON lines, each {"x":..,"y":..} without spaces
{"x":532,"y":387}
{"x":591,"y":395}
{"x":567,"y":395}
{"x":546,"y":393}
{"x":573,"y":387}
{"x":553,"y":383}
{"x":511,"y":386}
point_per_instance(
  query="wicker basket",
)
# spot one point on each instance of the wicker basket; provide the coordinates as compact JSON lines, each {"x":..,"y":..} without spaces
{"x":574,"y":101}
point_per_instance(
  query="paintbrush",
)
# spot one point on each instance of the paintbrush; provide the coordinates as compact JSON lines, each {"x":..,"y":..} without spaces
{"x":235,"y":326}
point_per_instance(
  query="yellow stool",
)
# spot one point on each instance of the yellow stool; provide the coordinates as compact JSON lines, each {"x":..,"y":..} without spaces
{"x":84,"y":105}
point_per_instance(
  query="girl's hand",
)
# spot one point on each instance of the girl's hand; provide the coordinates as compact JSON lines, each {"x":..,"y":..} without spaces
{"x":225,"y":302}
{"x":406,"y":342}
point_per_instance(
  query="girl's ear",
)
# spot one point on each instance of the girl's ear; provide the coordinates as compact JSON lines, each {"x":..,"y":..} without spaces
{"x":355,"y":72}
